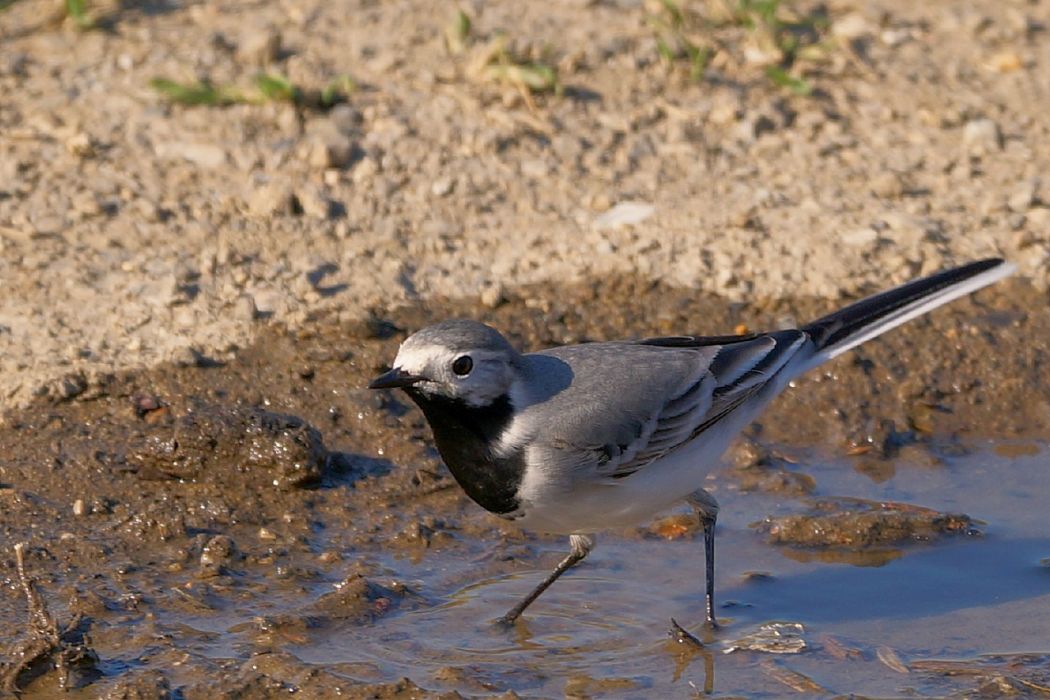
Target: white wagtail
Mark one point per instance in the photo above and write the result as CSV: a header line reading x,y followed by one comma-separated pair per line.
x,y
582,438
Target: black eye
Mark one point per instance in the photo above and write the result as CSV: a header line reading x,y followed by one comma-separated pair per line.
x,y
463,365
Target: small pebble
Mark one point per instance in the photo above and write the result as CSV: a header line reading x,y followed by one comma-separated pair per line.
x,y
259,47
1022,198
314,202
79,144
245,309
625,214
217,553
851,26
887,184
493,295
860,237
981,137
441,187
270,199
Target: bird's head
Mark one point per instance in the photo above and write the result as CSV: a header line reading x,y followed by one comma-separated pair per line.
x,y
460,360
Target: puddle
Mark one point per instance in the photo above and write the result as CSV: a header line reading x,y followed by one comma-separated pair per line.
x,y
202,564
960,598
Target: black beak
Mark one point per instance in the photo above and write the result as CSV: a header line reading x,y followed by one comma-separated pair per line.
x,y
396,378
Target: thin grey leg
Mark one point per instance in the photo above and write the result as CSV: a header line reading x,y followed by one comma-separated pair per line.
x,y
707,510
581,546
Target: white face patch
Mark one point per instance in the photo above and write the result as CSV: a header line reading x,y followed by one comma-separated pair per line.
x,y
489,377
420,360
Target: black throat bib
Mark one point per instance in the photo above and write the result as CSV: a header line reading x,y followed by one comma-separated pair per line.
x,y
465,436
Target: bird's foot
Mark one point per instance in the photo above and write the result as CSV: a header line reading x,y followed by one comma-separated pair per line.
x,y
505,621
683,636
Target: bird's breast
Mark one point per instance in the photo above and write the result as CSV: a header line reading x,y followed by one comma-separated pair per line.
x,y
466,437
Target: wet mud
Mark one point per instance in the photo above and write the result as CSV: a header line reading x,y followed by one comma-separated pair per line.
x,y
261,525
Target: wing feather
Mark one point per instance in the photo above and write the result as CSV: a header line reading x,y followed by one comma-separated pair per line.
x,y
737,373
629,404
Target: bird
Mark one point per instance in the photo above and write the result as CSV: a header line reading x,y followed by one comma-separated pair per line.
x,y
576,439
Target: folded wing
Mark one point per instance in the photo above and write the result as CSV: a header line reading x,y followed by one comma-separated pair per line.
x,y
630,404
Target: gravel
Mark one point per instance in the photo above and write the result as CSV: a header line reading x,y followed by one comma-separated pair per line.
x,y
922,146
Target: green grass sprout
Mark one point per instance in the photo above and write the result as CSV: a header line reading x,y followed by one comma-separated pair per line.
x,y
337,90
199,93
782,78
266,87
457,33
77,11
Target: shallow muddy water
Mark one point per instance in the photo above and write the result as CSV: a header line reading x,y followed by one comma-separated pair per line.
x,y
604,628
207,545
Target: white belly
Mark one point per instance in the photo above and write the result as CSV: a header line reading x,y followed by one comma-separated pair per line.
x,y
587,505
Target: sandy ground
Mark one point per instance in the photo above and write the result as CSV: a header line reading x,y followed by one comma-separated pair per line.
x,y
134,232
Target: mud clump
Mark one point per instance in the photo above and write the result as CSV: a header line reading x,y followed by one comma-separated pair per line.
x,y
859,524
141,685
232,446
757,468
358,600
280,675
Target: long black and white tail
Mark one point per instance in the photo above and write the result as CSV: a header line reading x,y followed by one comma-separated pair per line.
x,y
836,333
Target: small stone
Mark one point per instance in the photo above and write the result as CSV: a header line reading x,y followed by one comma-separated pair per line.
x,y
1005,62
1034,257
270,199
724,112
84,204
79,507
851,26
1022,198
441,187
48,226
266,535
80,145
217,553
314,202
184,357
493,295
205,155
625,214
981,137
71,386
244,308
535,168
1038,219
330,150
365,170
895,36
887,184
772,638
260,46
860,237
